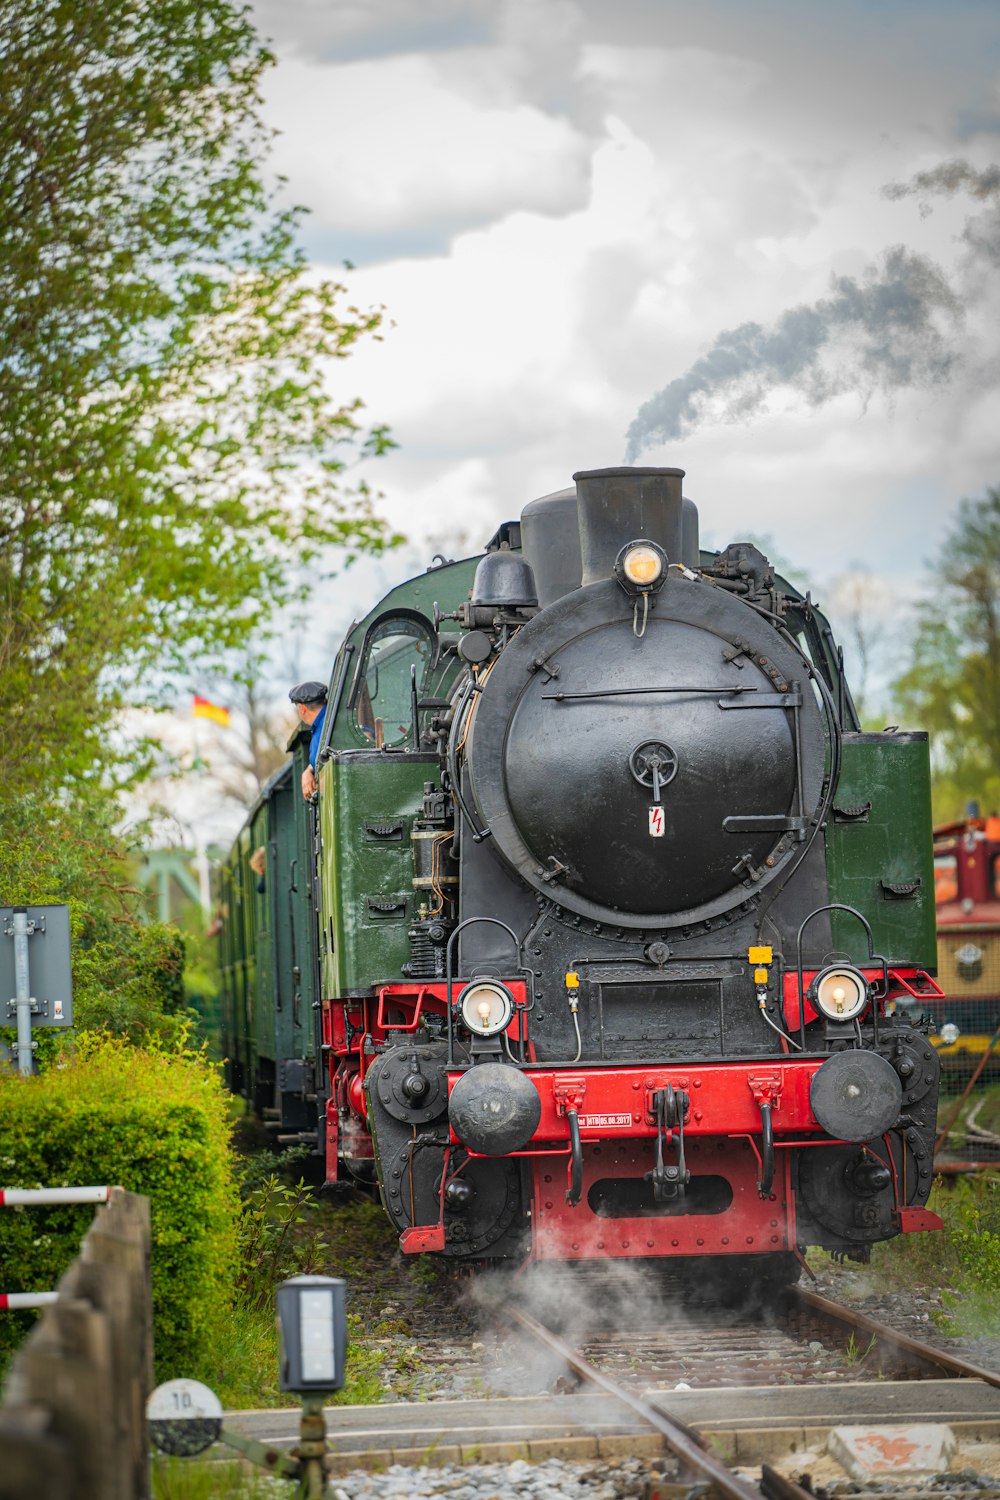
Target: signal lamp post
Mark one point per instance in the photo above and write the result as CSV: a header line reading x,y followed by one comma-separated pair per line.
x,y
313,1327
186,1417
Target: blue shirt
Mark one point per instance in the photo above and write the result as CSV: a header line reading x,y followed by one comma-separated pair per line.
x,y
314,739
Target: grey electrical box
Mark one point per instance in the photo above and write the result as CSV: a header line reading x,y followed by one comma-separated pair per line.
x,y
49,967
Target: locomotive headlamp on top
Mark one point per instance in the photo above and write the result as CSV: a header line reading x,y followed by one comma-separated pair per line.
x,y
486,1008
641,567
840,993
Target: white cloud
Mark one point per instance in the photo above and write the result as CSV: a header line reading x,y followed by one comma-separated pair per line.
x,y
386,144
605,191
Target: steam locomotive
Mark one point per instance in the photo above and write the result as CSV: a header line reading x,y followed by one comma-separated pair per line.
x,y
609,931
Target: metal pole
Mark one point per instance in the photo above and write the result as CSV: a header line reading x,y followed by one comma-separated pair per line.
x,y
312,1449
22,991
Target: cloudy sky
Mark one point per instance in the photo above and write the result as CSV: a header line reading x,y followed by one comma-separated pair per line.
x,y
757,239
692,234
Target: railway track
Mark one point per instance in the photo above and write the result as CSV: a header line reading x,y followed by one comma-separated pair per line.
x,y
729,1398
654,1332
803,1313
661,1333
604,1397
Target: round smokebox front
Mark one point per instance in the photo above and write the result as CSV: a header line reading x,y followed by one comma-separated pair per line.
x,y
637,780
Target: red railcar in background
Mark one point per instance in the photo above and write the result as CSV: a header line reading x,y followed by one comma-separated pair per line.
x,y
967,898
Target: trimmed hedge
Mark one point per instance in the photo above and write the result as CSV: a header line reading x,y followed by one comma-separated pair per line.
x,y
151,1121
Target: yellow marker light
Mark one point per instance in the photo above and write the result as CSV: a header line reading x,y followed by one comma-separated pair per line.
x,y
642,566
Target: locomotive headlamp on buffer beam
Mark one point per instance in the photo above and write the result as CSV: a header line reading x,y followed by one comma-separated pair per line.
x,y
486,1008
839,993
641,567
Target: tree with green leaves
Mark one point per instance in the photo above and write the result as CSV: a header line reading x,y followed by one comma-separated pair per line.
x,y
173,445
952,687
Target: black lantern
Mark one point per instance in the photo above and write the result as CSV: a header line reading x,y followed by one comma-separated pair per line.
x,y
313,1326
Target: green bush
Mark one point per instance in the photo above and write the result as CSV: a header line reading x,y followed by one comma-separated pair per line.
x,y
133,986
154,1122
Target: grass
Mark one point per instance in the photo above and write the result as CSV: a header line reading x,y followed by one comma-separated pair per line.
x,y
244,1372
209,1479
854,1354
289,1228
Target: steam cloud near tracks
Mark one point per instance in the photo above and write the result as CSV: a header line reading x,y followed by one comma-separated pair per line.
x,y
581,1303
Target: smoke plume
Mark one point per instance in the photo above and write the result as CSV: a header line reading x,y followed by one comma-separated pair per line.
x,y
882,332
949,177
982,232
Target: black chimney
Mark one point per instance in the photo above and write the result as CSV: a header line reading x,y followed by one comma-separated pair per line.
x,y
620,505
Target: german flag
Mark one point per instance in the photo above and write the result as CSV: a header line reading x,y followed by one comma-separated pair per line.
x,y
205,709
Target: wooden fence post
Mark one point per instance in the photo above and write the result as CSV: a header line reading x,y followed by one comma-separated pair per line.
x,y
116,1254
73,1424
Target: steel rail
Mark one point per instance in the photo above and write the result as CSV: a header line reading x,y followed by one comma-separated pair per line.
x,y
888,1338
684,1443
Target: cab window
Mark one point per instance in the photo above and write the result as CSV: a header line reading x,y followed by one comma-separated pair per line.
x,y
381,705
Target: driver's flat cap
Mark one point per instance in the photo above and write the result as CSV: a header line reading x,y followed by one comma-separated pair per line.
x,y
308,692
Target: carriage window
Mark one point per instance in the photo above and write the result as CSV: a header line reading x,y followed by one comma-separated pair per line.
x,y
382,706
946,878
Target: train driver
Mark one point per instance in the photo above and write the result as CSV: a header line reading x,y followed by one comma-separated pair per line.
x,y
310,705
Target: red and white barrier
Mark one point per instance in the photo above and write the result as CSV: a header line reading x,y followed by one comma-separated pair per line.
x,y
26,1197
22,1197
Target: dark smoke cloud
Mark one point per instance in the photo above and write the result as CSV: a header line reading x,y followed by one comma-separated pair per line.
x,y
982,233
949,177
882,332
